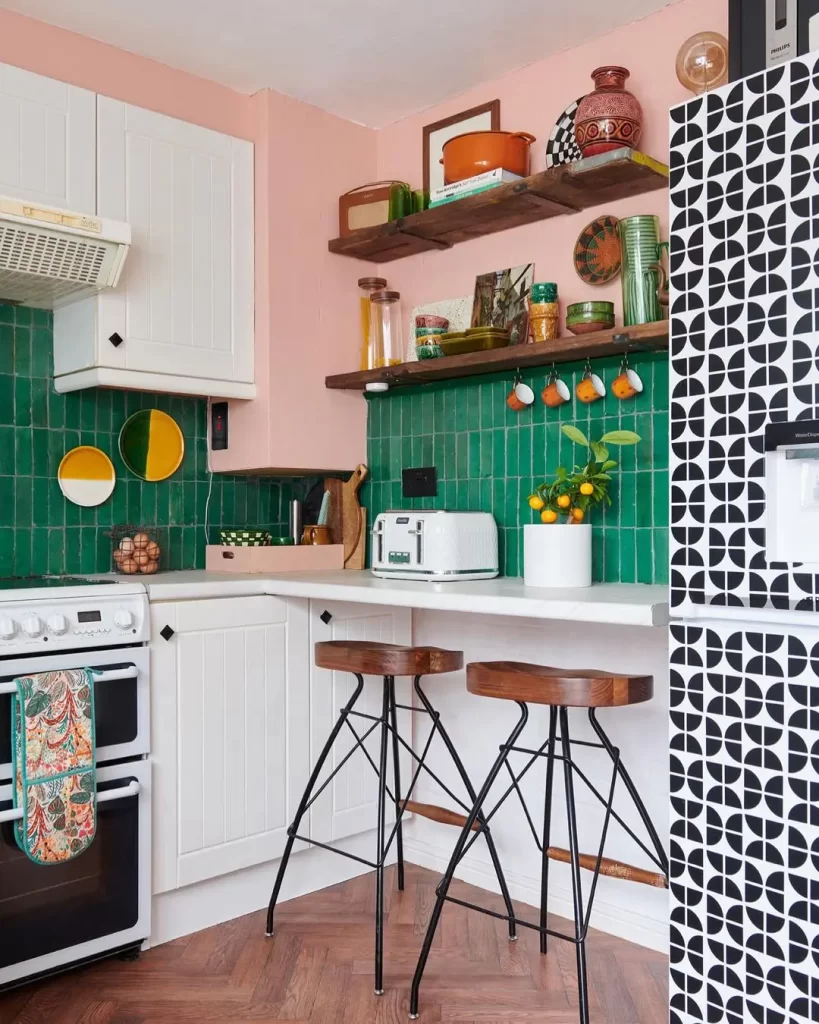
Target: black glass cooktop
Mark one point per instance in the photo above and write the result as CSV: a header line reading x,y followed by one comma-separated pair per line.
x,y
47,582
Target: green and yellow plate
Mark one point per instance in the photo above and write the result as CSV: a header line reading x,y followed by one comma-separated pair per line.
x,y
151,444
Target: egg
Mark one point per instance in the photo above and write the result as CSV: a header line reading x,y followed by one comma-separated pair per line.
x,y
141,540
141,557
129,566
118,556
126,545
153,550
151,567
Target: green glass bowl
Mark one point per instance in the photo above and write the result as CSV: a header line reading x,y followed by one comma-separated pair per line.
x,y
580,309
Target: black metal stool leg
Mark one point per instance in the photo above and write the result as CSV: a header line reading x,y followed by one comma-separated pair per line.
x,y
464,837
305,799
379,871
396,773
577,890
547,828
470,789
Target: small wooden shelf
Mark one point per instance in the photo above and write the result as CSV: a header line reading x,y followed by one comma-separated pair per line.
x,y
553,193
642,338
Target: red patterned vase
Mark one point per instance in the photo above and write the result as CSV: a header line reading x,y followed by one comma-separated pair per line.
x,y
610,117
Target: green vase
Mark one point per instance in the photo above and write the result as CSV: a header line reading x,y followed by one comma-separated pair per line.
x,y
640,250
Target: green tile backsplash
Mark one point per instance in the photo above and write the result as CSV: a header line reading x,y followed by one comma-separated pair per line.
x,y
42,532
490,458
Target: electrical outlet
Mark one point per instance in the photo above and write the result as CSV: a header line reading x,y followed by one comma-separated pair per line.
x,y
420,483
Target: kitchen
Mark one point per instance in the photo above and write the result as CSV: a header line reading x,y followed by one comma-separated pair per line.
x,y
226,377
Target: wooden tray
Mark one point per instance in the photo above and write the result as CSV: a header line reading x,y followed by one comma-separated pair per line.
x,y
297,558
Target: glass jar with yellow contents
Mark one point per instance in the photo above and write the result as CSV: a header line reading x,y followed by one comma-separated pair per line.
x,y
371,347
385,327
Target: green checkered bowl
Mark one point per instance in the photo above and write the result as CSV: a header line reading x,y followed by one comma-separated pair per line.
x,y
245,538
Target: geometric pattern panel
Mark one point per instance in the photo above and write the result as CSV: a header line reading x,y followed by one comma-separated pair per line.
x,y
744,269
744,825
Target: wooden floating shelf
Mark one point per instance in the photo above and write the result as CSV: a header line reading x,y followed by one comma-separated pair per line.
x,y
642,338
552,193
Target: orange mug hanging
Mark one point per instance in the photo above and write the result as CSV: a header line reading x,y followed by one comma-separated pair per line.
x,y
520,396
627,384
590,387
556,391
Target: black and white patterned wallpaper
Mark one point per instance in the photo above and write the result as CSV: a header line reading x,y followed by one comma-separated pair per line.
x,y
744,825
744,259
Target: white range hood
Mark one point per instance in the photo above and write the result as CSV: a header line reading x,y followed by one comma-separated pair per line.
x,y
50,258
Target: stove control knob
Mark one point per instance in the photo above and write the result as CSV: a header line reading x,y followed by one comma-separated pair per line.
x,y
8,629
57,624
123,619
32,625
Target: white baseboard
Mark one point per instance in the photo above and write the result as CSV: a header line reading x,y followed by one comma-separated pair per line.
x,y
633,925
194,907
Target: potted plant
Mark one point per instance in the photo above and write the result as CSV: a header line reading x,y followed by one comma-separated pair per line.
x,y
560,554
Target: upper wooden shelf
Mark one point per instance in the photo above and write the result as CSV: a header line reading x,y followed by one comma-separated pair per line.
x,y
553,193
642,338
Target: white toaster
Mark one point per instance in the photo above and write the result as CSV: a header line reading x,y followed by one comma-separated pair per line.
x,y
433,544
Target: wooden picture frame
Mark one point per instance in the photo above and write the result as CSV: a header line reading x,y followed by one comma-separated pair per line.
x,y
490,110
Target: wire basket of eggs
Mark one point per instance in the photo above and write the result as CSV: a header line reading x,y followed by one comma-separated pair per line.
x,y
136,549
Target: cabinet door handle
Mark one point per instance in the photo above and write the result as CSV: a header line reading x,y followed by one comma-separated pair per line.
x,y
116,339
166,633
325,617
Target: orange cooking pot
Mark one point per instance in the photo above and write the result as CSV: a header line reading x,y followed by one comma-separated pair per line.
x,y
475,152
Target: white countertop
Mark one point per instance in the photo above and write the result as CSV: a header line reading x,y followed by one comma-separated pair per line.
x,y
628,604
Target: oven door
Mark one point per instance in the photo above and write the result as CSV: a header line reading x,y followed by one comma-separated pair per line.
x,y
56,914
121,695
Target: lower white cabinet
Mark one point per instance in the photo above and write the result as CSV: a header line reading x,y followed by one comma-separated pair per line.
x,y
230,732
348,805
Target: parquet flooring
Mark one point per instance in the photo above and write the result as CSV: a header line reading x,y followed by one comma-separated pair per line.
x,y
318,969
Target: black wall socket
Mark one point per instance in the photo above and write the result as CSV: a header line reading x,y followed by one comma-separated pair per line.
x,y
420,483
218,426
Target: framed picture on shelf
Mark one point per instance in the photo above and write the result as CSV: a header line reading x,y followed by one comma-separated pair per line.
x,y
485,117
502,300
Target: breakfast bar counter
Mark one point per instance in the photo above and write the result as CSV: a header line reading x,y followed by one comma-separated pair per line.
x,y
624,604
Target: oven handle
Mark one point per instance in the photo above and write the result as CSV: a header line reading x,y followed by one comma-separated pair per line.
x,y
107,794
99,677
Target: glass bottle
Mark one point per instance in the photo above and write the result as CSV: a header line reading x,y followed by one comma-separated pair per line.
x,y
640,251
385,327
370,348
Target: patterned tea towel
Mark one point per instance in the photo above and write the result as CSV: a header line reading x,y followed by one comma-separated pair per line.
x,y
52,740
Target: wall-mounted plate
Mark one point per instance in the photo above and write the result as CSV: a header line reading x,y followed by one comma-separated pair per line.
x,y
86,476
151,444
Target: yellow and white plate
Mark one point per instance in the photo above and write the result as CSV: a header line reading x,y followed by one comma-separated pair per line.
x,y
86,476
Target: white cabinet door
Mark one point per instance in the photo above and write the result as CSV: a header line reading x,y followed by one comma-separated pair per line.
x,y
48,130
230,733
184,305
349,804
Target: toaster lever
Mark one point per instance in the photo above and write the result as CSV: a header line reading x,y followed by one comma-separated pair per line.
x,y
418,533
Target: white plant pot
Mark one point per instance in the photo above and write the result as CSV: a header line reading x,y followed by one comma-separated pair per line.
x,y
557,555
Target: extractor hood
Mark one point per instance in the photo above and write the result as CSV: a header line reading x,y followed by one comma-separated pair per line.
x,y
51,257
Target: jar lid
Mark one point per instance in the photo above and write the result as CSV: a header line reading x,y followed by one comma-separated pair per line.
x,y
372,282
384,296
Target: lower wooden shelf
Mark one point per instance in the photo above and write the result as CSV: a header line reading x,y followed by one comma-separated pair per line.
x,y
641,338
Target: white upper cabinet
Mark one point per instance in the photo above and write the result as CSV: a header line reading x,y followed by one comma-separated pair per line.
x,y
48,130
181,318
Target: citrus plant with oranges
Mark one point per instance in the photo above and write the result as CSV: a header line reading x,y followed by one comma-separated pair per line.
x,y
572,493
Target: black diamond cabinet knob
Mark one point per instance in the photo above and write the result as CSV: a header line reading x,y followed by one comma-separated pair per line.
x,y
325,617
115,339
166,632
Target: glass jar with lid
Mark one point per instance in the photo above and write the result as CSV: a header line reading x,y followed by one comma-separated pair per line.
x,y
385,327
372,348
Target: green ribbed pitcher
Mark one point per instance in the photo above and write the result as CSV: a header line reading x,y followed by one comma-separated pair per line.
x,y
640,249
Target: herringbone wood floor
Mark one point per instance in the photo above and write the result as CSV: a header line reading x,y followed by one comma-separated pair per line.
x,y
318,970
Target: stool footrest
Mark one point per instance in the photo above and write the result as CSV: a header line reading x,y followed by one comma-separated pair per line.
x,y
613,868
442,814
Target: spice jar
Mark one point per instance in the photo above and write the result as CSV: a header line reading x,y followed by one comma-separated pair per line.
x,y
371,348
385,327
544,313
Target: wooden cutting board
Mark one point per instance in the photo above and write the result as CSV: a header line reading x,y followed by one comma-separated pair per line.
x,y
348,520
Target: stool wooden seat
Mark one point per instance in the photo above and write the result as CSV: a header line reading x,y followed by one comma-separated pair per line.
x,y
558,687
368,657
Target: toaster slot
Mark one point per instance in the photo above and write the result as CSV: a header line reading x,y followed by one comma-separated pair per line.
x,y
418,532
378,536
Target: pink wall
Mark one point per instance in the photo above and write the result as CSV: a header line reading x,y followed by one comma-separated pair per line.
x,y
531,99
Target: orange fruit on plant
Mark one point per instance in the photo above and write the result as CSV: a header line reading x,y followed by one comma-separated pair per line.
x,y
587,488
548,515
536,502
564,501
578,514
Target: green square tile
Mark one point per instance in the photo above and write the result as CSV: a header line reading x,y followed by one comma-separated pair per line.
x,y
486,406
462,456
450,466
474,455
661,499
73,409
42,318
56,450
56,552
22,352
439,453
660,556
56,409
512,453
7,460
525,450
6,348
39,551
6,314
42,360
499,452
88,548
486,453
416,448
22,552
40,446
23,316
644,505
598,556
628,556
659,385
510,560
611,555
627,498
472,397
451,424
176,511
7,500
23,500
73,551
6,551
438,410
660,430
427,456
645,555
7,404
39,515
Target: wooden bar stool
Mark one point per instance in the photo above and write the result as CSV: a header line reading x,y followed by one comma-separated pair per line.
x,y
362,658
560,689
